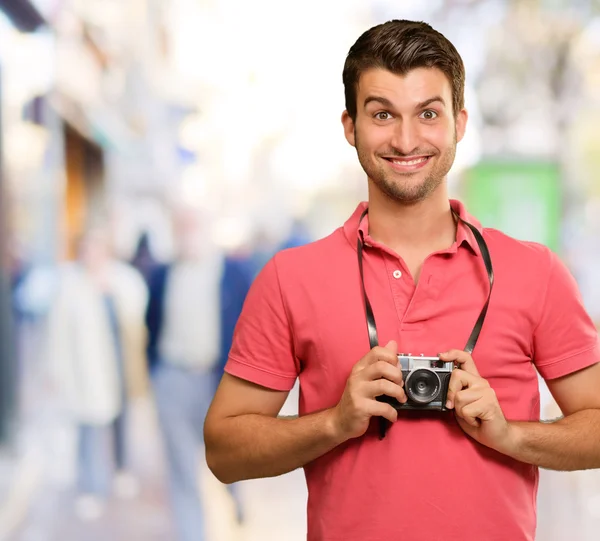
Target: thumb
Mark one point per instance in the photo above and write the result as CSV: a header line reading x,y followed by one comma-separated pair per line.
x,y
392,346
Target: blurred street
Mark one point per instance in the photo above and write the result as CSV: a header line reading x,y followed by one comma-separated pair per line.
x,y
274,508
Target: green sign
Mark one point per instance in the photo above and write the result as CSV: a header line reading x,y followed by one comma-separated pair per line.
x,y
522,199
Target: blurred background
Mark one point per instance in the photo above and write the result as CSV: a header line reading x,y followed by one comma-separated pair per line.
x,y
144,143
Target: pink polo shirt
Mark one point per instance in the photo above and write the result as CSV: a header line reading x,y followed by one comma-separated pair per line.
x,y
427,480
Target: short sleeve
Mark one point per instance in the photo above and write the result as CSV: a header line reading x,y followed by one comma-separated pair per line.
x,y
565,339
263,348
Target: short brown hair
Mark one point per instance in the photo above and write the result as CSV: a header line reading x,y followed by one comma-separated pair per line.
x,y
400,46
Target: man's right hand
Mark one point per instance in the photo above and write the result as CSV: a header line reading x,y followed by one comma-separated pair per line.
x,y
377,373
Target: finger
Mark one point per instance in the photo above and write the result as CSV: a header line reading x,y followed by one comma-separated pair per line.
x,y
458,381
462,359
379,387
467,396
464,398
381,369
378,353
381,409
486,407
474,412
393,347
373,389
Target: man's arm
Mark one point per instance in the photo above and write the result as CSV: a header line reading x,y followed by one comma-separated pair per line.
x,y
245,439
564,331
257,443
570,443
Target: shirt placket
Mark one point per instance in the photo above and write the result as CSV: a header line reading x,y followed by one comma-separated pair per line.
x,y
401,284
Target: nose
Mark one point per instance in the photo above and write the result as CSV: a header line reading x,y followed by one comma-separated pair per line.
x,y
406,137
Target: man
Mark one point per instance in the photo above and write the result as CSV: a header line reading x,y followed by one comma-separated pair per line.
x,y
470,475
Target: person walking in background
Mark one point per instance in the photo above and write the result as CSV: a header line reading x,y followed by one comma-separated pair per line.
x,y
96,341
154,272
143,258
184,350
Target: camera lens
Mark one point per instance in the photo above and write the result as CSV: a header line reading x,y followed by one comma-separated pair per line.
x,y
422,385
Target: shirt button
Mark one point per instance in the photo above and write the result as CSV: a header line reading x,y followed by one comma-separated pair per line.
x,y
397,274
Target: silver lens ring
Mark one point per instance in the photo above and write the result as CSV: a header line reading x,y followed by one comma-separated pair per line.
x,y
422,385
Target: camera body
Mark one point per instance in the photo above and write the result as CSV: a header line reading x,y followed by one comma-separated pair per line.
x,y
426,382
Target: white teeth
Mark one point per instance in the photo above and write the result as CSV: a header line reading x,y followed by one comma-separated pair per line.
x,y
411,162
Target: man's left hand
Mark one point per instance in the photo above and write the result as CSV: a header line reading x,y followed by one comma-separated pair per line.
x,y
475,404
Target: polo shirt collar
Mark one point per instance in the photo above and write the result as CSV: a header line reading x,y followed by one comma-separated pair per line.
x,y
463,234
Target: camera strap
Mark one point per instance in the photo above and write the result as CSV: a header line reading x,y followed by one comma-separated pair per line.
x,y
472,341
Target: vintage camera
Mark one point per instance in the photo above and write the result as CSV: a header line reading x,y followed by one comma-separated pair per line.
x,y
426,382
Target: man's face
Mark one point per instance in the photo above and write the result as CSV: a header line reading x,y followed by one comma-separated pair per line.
x,y
405,132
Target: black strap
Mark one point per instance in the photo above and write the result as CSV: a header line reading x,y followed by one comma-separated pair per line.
x,y
471,342
371,327
487,260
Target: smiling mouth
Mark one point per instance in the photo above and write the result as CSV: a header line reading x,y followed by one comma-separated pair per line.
x,y
408,164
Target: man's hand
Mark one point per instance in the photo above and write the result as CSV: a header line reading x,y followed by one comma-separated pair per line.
x,y
475,404
377,373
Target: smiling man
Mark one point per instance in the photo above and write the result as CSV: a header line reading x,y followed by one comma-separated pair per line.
x,y
461,465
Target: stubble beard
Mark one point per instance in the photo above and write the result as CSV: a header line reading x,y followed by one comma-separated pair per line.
x,y
403,187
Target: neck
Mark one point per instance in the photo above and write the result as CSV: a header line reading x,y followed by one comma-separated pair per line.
x,y
424,226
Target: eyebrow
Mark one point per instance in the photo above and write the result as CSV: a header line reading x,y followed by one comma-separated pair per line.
x,y
387,103
430,101
379,99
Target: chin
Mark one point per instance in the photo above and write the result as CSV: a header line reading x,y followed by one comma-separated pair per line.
x,y
405,192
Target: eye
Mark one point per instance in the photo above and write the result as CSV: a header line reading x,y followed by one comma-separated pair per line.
x,y
429,115
383,115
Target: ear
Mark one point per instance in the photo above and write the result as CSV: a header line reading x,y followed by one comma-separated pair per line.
x,y
461,124
348,124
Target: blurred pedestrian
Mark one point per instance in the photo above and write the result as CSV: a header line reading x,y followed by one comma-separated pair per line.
x,y
185,340
96,339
